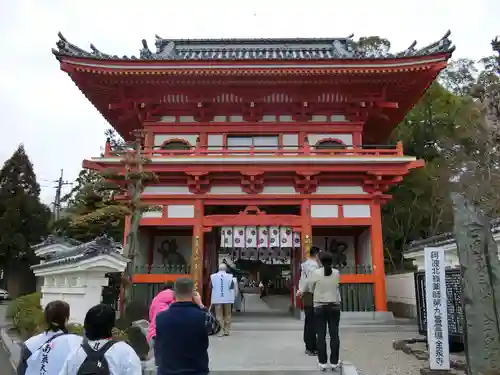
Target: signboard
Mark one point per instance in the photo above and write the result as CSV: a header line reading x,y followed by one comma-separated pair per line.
x,y
437,311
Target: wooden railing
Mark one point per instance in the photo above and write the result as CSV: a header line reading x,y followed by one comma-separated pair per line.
x,y
357,297
284,150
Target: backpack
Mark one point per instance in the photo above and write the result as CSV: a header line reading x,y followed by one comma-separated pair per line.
x,y
95,363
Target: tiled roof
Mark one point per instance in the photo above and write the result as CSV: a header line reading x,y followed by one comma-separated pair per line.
x,y
444,239
55,239
253,49
99,246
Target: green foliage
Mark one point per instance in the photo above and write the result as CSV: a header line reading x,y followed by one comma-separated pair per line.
x,y
26,315
446,128
21,303
24,220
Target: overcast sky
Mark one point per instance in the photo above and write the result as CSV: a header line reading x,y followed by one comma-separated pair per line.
x,y
42,108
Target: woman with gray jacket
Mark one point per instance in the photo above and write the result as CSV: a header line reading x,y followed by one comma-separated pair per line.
x,y
324,282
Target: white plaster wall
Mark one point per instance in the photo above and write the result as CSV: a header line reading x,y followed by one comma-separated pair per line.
x,y
324,211
81,290
153,214
315,138
215,141
278,190
319,241
356,210
184,244
401,297
339,190
180,211
159,139
290,141
159,190
365,248
223,190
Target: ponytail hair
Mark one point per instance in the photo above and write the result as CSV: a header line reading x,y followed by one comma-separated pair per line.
x,y
56,315
326,259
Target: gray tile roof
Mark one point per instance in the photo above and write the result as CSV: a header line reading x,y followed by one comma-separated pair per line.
x,y
99,246
444,239
253,49
55,239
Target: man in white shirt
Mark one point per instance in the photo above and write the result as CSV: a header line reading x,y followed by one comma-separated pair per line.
x,y
307,269
223,297
99,350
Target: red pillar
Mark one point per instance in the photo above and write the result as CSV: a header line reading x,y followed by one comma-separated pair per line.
x,y
197,248
378,257
306,239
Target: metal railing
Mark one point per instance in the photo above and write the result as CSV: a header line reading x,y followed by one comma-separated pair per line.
x,y
283,150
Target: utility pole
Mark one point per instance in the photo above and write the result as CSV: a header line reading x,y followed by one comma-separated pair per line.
x,y
57,201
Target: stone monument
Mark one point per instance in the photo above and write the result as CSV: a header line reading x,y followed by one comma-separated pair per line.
x,y
478,256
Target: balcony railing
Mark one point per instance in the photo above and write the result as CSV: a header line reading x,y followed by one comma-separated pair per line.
x,y
284,150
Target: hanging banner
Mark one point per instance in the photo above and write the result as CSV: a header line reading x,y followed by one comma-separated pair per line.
x,y
437,311
239,237
259,238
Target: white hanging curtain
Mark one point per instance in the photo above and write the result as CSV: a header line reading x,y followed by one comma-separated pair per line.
x,y
261,237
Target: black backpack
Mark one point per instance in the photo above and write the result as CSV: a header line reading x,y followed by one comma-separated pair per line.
x,y
95,363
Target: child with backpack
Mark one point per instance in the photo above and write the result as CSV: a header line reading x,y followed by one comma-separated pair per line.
x,y
99,354
46,352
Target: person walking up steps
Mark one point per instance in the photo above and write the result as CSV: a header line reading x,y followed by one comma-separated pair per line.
x,y
307,268
324,282
223,286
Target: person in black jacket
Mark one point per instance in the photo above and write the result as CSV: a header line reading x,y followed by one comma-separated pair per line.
x,y
181,343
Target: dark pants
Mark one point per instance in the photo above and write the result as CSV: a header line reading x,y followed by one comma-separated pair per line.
x,y
309,328
328,315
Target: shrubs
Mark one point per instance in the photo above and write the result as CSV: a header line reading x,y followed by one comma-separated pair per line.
x,y
27,317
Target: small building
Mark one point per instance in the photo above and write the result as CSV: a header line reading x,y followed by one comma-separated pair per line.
x,y
77,274
401,286
262,148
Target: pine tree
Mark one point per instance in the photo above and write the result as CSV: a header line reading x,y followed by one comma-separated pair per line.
x,y
24,221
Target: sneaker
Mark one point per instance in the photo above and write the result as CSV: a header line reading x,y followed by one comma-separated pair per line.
x,y
311,352
323,366
226,333
336,366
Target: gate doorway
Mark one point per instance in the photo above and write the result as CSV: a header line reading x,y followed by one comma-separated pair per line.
x,y
266,272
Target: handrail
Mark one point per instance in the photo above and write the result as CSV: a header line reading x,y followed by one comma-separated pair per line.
x,y
283,150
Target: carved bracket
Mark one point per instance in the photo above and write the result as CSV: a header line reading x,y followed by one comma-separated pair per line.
x,y
380,184
252,184
198,183
306,183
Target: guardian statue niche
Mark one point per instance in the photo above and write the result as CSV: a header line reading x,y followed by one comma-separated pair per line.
x,y
170,255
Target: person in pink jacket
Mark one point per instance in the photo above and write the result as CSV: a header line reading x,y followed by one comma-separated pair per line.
x,y
160,303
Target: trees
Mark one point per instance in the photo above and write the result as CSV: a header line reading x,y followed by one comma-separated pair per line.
x,y
91,206
453,130
24,220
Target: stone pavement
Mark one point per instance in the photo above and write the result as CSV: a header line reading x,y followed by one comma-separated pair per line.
x,y
277,346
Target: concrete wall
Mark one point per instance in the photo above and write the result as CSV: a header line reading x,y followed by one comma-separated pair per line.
x,y
401,298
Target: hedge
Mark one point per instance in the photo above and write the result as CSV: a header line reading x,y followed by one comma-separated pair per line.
x,y
27,317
